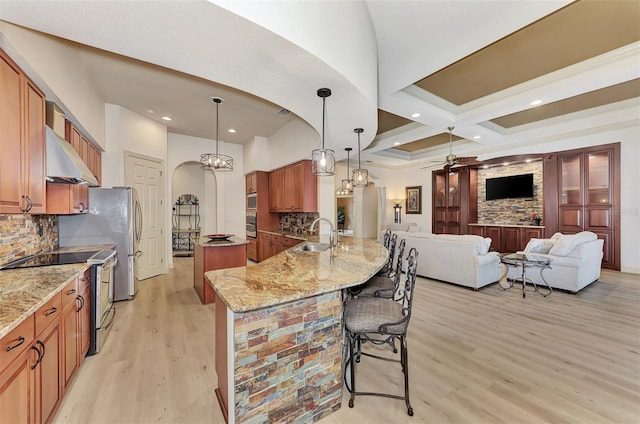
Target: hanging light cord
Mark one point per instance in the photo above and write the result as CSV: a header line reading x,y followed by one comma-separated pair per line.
x,y
217,126
324,101
359,166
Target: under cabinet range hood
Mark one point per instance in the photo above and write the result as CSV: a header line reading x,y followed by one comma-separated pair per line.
x,y
64,165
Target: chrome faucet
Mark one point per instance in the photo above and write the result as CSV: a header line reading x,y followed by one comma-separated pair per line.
x,y
331,233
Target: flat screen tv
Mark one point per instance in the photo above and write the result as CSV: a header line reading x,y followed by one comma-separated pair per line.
x,y
510,187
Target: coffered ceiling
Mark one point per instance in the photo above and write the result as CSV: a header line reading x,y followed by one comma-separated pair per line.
x,y
476,66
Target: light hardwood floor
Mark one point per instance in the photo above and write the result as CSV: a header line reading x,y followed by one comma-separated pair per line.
x,y
474,357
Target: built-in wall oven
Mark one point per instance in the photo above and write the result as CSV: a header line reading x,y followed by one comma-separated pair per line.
x,y
252,201
102,310
252,225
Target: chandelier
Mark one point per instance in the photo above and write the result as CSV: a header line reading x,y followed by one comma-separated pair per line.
x,y
360,176
346,188
216,162
323,161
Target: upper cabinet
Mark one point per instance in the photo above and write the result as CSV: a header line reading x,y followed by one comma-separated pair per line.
x,y
90,155
455,200
22,142
293,188
252,182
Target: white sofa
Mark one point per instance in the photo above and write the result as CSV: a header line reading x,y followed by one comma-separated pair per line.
x,y
463,260
575,260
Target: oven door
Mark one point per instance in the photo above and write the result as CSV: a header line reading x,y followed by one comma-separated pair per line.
x,y
251,231
104,312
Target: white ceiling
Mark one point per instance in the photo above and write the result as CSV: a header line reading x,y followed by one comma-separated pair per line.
x,y
167,55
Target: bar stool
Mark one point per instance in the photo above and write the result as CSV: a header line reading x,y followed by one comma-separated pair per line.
x,y
382,285
390,245
382,322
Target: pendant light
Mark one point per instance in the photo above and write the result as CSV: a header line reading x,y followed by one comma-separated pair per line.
x,y
323,161
216,162
360,176
346,188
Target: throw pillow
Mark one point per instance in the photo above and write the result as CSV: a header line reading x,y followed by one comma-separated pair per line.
x,y
414,229
567,243
539,246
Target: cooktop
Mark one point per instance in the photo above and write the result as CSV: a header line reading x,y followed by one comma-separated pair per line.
x,y
46,259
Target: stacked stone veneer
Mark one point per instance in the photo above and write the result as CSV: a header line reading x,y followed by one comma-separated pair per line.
x,y
510,211
297,223
288,365
20,235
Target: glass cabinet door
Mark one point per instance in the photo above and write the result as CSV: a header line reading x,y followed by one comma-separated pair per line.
x,y
598,176
453,190
440,198
570,168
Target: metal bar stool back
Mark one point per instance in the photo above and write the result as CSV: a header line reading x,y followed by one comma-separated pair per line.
x,y
381,322
382,285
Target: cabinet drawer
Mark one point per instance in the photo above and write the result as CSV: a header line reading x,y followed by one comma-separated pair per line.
x,y
14,343
69,293
48,313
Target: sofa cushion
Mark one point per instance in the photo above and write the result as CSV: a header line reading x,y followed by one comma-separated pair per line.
x,y
565,244
539,246
414,229
480,244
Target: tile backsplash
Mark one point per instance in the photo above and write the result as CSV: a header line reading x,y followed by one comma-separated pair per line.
x,y
297,223
25,235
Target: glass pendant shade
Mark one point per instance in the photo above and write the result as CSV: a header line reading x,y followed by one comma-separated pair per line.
x,y
216,162
346,188
323,161
360,176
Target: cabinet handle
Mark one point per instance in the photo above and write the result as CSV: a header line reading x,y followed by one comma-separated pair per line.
x,y
81,300
39,357
82,207
29,203
70,292
43,349
20,341
51,311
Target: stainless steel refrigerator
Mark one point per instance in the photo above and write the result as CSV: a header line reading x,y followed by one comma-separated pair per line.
x,y
114,217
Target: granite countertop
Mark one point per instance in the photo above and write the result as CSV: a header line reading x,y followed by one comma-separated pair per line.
x,y
294,274
232,241
88,248
24,290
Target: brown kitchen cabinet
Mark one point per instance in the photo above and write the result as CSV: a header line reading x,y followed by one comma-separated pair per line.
x,y
66,199
22,142
213,257
293,188
252,249
455,200
90,154
75,325
270,244
252,182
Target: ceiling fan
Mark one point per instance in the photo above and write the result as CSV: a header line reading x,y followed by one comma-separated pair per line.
x,y
452,160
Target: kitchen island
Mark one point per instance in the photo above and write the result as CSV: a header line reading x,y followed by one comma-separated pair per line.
x,y
279,331
209,255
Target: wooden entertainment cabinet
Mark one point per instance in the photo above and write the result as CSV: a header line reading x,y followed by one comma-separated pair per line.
x,y
581,192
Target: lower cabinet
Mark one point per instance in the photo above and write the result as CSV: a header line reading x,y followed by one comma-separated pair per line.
x,y
270,244
507,239
38,358
252,249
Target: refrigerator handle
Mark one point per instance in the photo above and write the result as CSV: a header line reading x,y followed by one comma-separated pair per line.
x,y
138,221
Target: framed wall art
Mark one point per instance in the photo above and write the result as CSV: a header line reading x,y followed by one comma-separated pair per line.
x,y
414,199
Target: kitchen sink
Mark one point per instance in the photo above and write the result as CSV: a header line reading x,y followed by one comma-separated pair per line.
x,y
314,247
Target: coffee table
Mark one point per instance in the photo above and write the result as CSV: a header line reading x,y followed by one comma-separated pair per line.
x,y
524,261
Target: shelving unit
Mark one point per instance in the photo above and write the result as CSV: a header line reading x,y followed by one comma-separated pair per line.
x,y
186,225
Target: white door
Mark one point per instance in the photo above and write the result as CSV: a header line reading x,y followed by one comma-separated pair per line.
x,y
146,175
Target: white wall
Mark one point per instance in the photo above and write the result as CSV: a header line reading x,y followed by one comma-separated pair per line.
x,y
292,143
57,69
256,155
222,207
188,178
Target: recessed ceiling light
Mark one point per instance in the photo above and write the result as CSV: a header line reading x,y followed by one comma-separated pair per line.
x,y
397,143
415,115
476,137
536,103
231,130
528,160
151,111
166,118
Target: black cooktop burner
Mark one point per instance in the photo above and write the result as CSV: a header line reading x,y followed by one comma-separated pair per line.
x,y
46,259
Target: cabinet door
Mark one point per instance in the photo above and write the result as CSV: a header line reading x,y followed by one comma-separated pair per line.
x,y
85,315
290,189
70,340
49,379
34,149
529,233
252,182
511,242
276,190
495,234
17,390
10,134
476,230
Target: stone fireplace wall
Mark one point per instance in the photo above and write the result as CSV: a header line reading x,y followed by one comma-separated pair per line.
x,y
510,211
